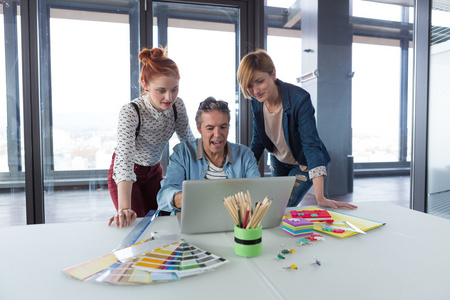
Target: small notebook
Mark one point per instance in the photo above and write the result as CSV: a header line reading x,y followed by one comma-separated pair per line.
x,y
203,210
340,217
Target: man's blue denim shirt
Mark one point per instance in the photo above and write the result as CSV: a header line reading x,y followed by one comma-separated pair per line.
x,y
188,162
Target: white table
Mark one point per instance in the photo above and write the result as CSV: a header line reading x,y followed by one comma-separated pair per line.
x,y
408,258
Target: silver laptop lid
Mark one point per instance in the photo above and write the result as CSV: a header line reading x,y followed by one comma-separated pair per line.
x,y
203,210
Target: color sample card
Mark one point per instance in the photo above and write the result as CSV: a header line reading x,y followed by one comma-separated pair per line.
x,y
179,258
145,246
87,269
126,274
120,274
169,262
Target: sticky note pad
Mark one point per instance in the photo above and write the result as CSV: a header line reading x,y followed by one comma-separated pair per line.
x,y
313,215
298,226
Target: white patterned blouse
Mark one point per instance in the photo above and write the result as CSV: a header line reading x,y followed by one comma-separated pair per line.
x,y
155,131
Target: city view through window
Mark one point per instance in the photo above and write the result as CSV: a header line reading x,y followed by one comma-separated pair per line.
x,y
90,82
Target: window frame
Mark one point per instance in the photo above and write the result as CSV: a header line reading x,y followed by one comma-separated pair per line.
x,y
36,87
401,32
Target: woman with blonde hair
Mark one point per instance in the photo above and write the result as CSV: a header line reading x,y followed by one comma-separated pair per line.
x,y
145,126
284,124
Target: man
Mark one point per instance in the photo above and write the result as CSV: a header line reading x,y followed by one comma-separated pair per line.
x,y
210,157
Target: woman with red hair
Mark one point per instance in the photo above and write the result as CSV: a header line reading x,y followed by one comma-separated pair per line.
x,y
145,126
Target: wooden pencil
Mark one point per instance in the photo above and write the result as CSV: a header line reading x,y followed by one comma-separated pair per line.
x,y
250,223
240,208
231,211
261,215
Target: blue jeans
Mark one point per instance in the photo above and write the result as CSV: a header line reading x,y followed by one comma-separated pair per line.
x,y
302,182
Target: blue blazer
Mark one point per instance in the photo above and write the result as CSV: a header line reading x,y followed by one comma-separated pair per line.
x,y
299,127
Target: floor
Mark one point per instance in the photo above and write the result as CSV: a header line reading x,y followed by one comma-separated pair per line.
x,y
95,205
395,190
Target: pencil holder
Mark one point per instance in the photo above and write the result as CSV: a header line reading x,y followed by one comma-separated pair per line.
x,y
248,242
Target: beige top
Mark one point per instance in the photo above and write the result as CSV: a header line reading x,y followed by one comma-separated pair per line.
x,y
274,130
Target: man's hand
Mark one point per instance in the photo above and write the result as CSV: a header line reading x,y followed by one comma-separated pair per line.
x,y
177,200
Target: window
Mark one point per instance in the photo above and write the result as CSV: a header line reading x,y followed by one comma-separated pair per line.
x,y
382,91
197,86
203,43
438,143
12,153
375,102
90,74
380,118
285,48
376,10
88,70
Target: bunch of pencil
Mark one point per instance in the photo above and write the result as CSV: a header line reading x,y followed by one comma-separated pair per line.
x,y
241,209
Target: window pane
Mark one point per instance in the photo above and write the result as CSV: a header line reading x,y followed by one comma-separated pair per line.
x,y
438,143
410,93
90,82
375,103
286,53
192,44
3,111
191,89
440,18
12,183
375,10
280,3
88,71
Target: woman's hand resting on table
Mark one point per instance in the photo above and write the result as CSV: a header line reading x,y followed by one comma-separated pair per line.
x,y
123,217
324,202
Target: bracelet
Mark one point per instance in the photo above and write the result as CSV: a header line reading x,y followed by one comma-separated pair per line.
x,y
122,209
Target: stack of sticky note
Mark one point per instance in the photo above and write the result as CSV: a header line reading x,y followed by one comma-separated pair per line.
x,y
297,226
318,215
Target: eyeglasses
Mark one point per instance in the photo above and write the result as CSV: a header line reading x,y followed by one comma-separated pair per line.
x,y
212,103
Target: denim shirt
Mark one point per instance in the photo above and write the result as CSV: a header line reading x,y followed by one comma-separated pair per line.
x,y
188,162
299,127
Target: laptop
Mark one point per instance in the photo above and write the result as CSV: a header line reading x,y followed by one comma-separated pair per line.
x,y
203,211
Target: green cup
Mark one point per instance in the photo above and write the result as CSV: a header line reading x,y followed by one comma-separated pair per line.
x,y
248,242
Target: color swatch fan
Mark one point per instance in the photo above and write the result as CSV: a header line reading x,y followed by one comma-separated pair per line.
x,y
160,262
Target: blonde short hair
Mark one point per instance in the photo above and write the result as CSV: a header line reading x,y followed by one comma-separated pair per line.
x,y
258,60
